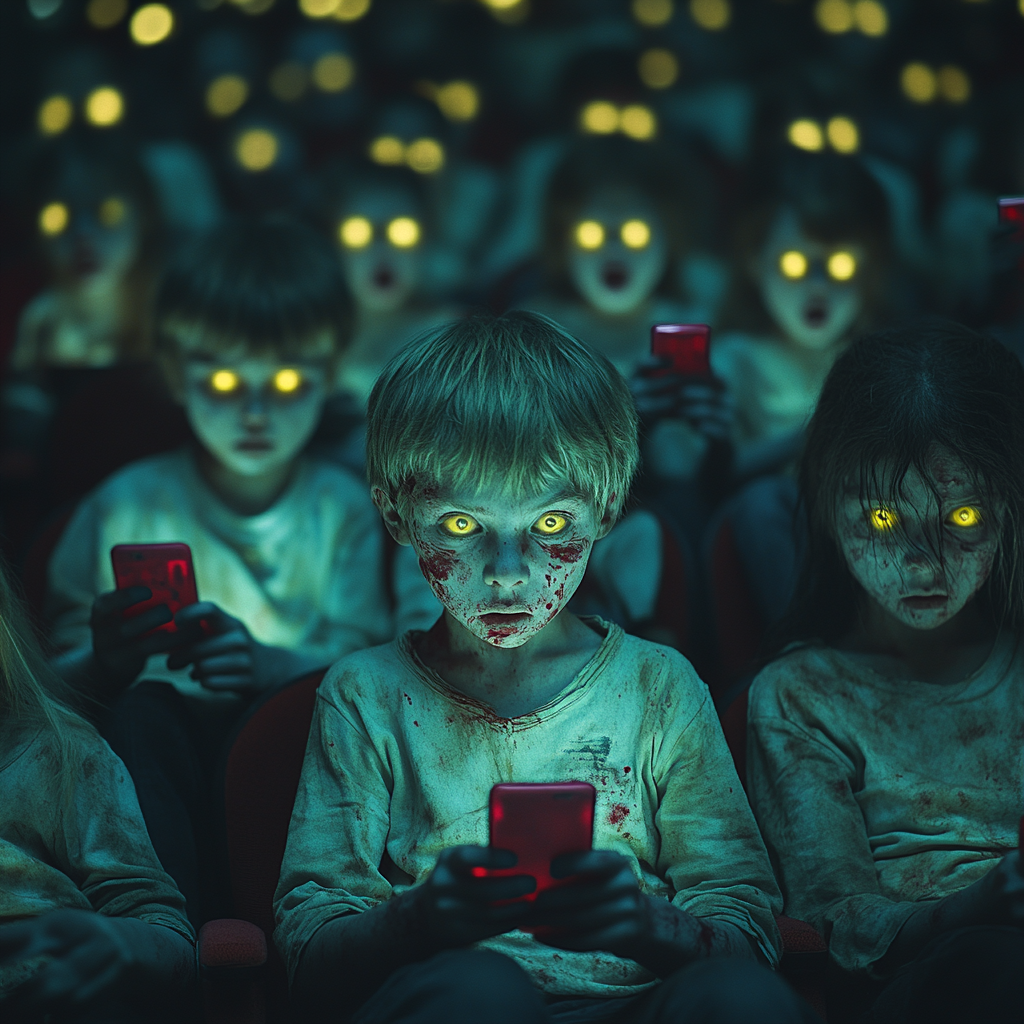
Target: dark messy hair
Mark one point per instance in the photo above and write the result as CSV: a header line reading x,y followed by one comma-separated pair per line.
x,y
889,400
267,284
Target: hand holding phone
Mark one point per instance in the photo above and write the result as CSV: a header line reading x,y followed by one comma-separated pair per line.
x,y
164,569
686,346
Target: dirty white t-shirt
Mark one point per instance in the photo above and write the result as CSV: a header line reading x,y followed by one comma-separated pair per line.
x,y
91,853
400,763
874,794
307,574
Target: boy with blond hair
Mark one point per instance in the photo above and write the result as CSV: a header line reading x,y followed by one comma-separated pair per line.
x,y
500,449
287,548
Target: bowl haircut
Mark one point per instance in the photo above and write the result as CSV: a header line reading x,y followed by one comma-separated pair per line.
x,y
266,286
892,398
511,401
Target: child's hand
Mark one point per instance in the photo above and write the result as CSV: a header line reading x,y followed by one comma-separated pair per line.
x,y
120,650
454,907
704,402
220,649
85,957
602,908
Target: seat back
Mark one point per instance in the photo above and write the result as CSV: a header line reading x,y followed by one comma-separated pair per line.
x,y
36,562
672,606
261,779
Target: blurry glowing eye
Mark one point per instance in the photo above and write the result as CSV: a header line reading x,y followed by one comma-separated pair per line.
x,y
356,232
551,523
638,122
806,134
53,218
425,156
287,381
589,234
460,526
636,234
387,150
224,381
841,266
111,212
599,118
883,519
793,264
404,232
965,516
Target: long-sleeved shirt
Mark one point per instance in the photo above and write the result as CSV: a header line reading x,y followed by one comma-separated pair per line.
x,y
306,575
91,852
400,763
875,793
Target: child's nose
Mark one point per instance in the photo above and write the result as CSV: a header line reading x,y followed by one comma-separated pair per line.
x,y
254,407
506,566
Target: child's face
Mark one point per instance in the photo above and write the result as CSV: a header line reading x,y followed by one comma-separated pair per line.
x,y
888,551
253,414
811,289
617,251
502,568
90,228
380,232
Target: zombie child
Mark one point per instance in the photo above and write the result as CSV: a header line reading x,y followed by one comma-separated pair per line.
x,y
288,549
885,738
91,927
500,448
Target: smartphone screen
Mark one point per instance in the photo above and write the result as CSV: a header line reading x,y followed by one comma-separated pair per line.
x,y
687,345
538,821
165,568
1011,211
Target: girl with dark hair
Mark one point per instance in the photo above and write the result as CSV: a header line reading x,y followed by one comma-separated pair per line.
x,y
885,738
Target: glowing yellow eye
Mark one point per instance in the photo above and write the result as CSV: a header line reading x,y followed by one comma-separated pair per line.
x,y
460,526
883,519
551,523
589,234
287,381
53,218
224,381
112,212
635,233
841,266
404,232
355,232
965,516
793,264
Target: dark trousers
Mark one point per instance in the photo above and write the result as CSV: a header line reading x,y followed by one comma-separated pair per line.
x,y
174,750
469,986
967,975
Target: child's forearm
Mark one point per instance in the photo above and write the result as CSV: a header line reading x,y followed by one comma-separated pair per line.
x,y
677,938
350,957
164,978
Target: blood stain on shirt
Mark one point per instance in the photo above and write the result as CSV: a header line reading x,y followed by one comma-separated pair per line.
x,y
618,814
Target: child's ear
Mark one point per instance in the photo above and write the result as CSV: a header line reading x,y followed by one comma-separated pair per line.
x,y
608,518
392,519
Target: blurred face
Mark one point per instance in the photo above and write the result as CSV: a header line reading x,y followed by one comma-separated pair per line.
x,y
617,251
811,289
502,568
890,548
253,415
90,228
381,234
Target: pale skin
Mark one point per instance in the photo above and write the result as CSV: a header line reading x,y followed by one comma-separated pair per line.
x,y
480,552
919,620
253,415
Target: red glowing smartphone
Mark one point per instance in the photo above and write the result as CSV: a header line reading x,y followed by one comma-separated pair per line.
x,y
538,821
1011,211
165,568
687,345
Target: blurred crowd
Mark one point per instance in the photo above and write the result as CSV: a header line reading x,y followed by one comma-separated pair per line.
x,y
791,172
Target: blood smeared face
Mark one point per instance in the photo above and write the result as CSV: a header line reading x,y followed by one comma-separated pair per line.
x,y
503,568
891,547
812,289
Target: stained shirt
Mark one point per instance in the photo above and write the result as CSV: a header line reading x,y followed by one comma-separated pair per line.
x,y
92,853
306,575
874,794
400,763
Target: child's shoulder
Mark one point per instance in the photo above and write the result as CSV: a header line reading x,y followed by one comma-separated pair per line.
x,y
149,476
357,677
803,675
328,479
654,667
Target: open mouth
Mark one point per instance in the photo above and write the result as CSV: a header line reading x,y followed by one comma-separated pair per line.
x,y
925,603
504,618
254,444
384,277
614,276
815,313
